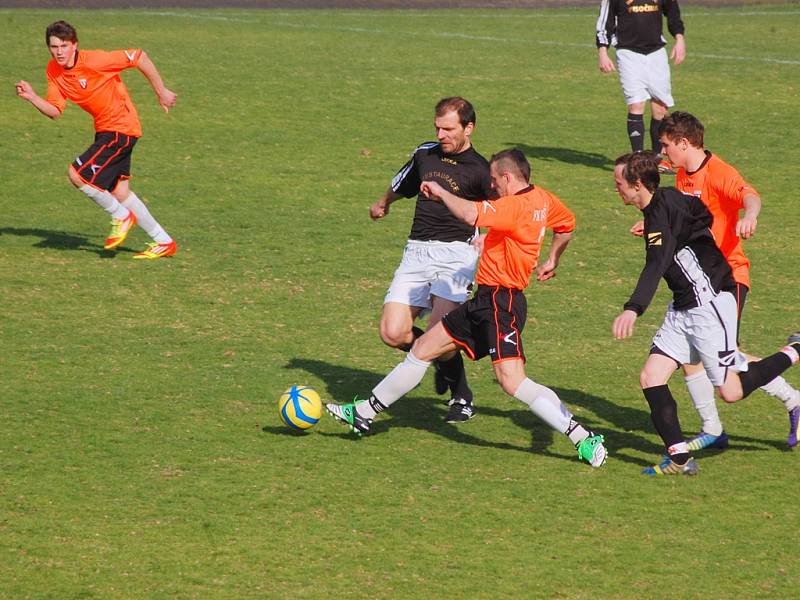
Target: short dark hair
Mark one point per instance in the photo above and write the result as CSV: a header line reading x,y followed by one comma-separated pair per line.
x,y
513,160
640,166
465,110
62,30
682,125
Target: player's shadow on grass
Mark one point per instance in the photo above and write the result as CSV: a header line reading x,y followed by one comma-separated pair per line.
x,y
627,420
61,240
565,155
428,414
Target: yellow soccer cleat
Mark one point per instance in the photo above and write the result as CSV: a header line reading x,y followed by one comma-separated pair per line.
x,y
120,228
156,250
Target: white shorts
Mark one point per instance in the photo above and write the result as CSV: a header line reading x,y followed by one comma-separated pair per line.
x,y
444,269
645,76
706,333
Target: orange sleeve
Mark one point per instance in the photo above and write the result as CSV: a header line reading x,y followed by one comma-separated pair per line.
x,y
732,187
113,61
54,95
500,214
559,218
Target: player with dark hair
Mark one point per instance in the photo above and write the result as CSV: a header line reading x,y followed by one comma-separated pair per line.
x,y
491,323
635,28
90,79
439,260
726,194
701,320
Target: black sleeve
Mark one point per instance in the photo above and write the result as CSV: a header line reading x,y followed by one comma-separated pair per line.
x,y
486,187
660,241
406,182
672,11
606,24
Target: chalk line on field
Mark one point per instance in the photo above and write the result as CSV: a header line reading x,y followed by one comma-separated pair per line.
x,y
445,34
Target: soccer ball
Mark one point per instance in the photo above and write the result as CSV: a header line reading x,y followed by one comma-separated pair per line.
x,y
300,407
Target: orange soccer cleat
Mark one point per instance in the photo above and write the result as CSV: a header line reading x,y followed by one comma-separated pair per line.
x,y
156,250
120,228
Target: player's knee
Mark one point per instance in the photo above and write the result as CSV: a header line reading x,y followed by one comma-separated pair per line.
x,y
648,379
395,336
73,177
730,396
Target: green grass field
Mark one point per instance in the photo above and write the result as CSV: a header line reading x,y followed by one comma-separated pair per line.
x,y
141,454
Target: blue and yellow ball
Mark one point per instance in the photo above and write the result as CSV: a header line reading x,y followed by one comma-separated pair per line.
x,y
300,407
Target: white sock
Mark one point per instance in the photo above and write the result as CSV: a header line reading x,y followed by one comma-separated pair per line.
x,y
403,378
701,391
106,201
780,389
545,404
145,220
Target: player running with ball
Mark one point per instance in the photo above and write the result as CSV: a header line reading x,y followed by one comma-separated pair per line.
x,y
491,323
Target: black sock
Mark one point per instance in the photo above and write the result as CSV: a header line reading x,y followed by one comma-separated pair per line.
x,y
763,371
654,136
456,377
416,332
636,132
664,413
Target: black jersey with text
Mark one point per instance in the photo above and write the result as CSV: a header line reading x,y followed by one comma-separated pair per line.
x,y
681,249
465,174
637,24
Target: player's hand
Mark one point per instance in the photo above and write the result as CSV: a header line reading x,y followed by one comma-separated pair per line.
x,y
623,325
678,51
638,229
378,210
477,243
167,99
546,270
746,227
604,62
431,190
24,90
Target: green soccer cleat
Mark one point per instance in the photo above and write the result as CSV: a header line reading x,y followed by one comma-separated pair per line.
x,y
591,450
348,414
667,467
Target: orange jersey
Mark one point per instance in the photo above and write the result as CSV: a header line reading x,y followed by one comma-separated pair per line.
x,y
94,84
517,225
722,189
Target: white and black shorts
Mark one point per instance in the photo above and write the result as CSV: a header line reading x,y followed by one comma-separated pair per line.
x,y
444,269
645,76
706,333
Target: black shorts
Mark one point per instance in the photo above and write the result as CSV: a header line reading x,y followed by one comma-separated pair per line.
x,y
107,160
489,324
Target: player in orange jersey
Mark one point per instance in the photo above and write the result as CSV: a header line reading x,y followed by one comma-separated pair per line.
x,y
491,323
735,206
90,79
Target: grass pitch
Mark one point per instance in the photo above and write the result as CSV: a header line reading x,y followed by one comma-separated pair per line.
x,y
141,454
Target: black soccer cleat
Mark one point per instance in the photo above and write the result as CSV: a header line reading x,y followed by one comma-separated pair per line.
x,y
460,410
